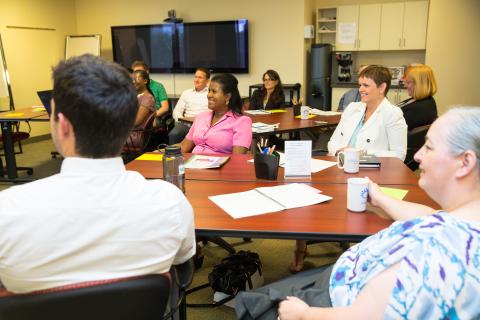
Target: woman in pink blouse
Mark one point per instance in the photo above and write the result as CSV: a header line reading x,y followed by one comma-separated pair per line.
x,y
223,129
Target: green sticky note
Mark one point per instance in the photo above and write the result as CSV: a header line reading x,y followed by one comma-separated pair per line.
x,y
394,193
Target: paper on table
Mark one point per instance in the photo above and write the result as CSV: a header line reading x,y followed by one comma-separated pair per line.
x,y
14,114
309,116
151,157
256,112
319,165
394,193
268,199
297,158
324,113
205,162
277,110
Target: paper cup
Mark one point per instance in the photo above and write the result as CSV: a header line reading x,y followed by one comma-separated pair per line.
x,y
357,194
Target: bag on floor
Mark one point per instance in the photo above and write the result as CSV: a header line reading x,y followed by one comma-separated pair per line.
x,y
235,273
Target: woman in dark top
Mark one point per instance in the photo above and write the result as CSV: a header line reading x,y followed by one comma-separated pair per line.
x,y
420,109
271,95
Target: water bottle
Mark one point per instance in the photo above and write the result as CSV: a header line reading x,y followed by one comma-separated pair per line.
x,y
173,168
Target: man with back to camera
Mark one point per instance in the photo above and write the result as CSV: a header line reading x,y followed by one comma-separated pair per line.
x,y
192,102
94,220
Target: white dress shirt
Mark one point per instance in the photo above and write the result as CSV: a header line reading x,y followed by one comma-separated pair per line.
x,y
92,221
191,103
384,134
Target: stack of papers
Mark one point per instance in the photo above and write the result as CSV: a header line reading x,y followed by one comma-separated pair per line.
x,y
323,113
205,162
257,112
268,199
258,127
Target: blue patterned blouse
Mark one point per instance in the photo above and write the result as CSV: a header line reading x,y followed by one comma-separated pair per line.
x,y
439,268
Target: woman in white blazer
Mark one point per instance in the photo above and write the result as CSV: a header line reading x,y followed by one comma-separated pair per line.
x,y
373,125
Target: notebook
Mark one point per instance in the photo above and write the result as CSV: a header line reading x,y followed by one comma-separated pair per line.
x,y
46,96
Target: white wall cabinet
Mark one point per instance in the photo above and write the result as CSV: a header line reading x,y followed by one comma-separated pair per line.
x,y
326,25
364,23
404,25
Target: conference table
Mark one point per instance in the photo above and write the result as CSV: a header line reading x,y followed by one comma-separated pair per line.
x,y
7,120
239,168
328,221
287,123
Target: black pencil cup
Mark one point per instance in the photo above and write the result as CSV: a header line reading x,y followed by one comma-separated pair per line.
x,y
266,166
296,110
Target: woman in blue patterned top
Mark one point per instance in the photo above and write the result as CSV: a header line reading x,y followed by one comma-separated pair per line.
x,y
426,265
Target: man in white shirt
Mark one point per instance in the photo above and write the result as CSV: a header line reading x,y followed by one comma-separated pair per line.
x,y
94,220
192,102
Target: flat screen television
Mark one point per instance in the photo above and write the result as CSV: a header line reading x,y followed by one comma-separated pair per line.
x,y
221,46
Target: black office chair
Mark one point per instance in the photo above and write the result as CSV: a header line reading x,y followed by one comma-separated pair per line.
x,y
144,297
415,140
139,298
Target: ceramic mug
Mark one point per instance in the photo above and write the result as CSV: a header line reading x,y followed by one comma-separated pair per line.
x,y
349,160
357,194
304,112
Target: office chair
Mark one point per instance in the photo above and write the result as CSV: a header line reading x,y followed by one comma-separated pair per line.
x,y
131,150
143,297
415,140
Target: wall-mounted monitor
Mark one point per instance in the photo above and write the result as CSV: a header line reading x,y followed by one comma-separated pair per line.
x,y
221,46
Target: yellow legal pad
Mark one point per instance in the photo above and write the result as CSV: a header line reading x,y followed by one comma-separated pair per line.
x,y
277,110
394,193
151,157
14,114
309,116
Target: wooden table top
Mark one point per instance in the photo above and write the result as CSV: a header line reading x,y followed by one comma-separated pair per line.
x,y
328,221
287,123
31,114
392,171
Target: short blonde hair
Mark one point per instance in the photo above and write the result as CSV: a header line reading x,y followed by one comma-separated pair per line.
x,y
422,76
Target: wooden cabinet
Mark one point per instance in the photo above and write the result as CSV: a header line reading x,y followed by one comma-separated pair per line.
x,y
395,96
326,25
363,21
404,25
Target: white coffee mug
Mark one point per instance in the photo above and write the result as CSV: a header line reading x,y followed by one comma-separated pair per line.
x,y
304,112
357,194
349,160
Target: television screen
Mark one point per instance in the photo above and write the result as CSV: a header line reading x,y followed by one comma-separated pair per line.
x,y
182,47
221,46
150,43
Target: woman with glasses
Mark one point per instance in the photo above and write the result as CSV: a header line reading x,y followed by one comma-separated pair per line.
x,y
271,95
420,109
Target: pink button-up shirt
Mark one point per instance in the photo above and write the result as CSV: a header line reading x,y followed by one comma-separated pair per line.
x,y
231,130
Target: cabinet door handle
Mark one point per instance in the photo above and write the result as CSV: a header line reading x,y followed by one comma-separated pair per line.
x,y
399,42
358,43
355,43
404,41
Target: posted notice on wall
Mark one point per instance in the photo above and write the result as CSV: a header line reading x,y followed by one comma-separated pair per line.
x,y
297,159
346,32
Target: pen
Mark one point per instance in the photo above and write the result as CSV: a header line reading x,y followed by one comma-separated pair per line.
x,y
259,148
265,150
272,149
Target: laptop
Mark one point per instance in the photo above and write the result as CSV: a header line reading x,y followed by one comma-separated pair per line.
x,y
46,96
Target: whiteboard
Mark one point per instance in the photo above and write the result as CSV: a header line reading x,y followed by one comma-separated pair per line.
x,y
4,82
78,45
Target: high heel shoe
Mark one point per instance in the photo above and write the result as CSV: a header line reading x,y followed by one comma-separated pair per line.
x,y
298,262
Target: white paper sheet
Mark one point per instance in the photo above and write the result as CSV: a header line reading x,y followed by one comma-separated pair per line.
x,y
316,165
297,158
268,199
347,32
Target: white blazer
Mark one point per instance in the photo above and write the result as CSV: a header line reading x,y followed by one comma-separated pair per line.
x,y
384,134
